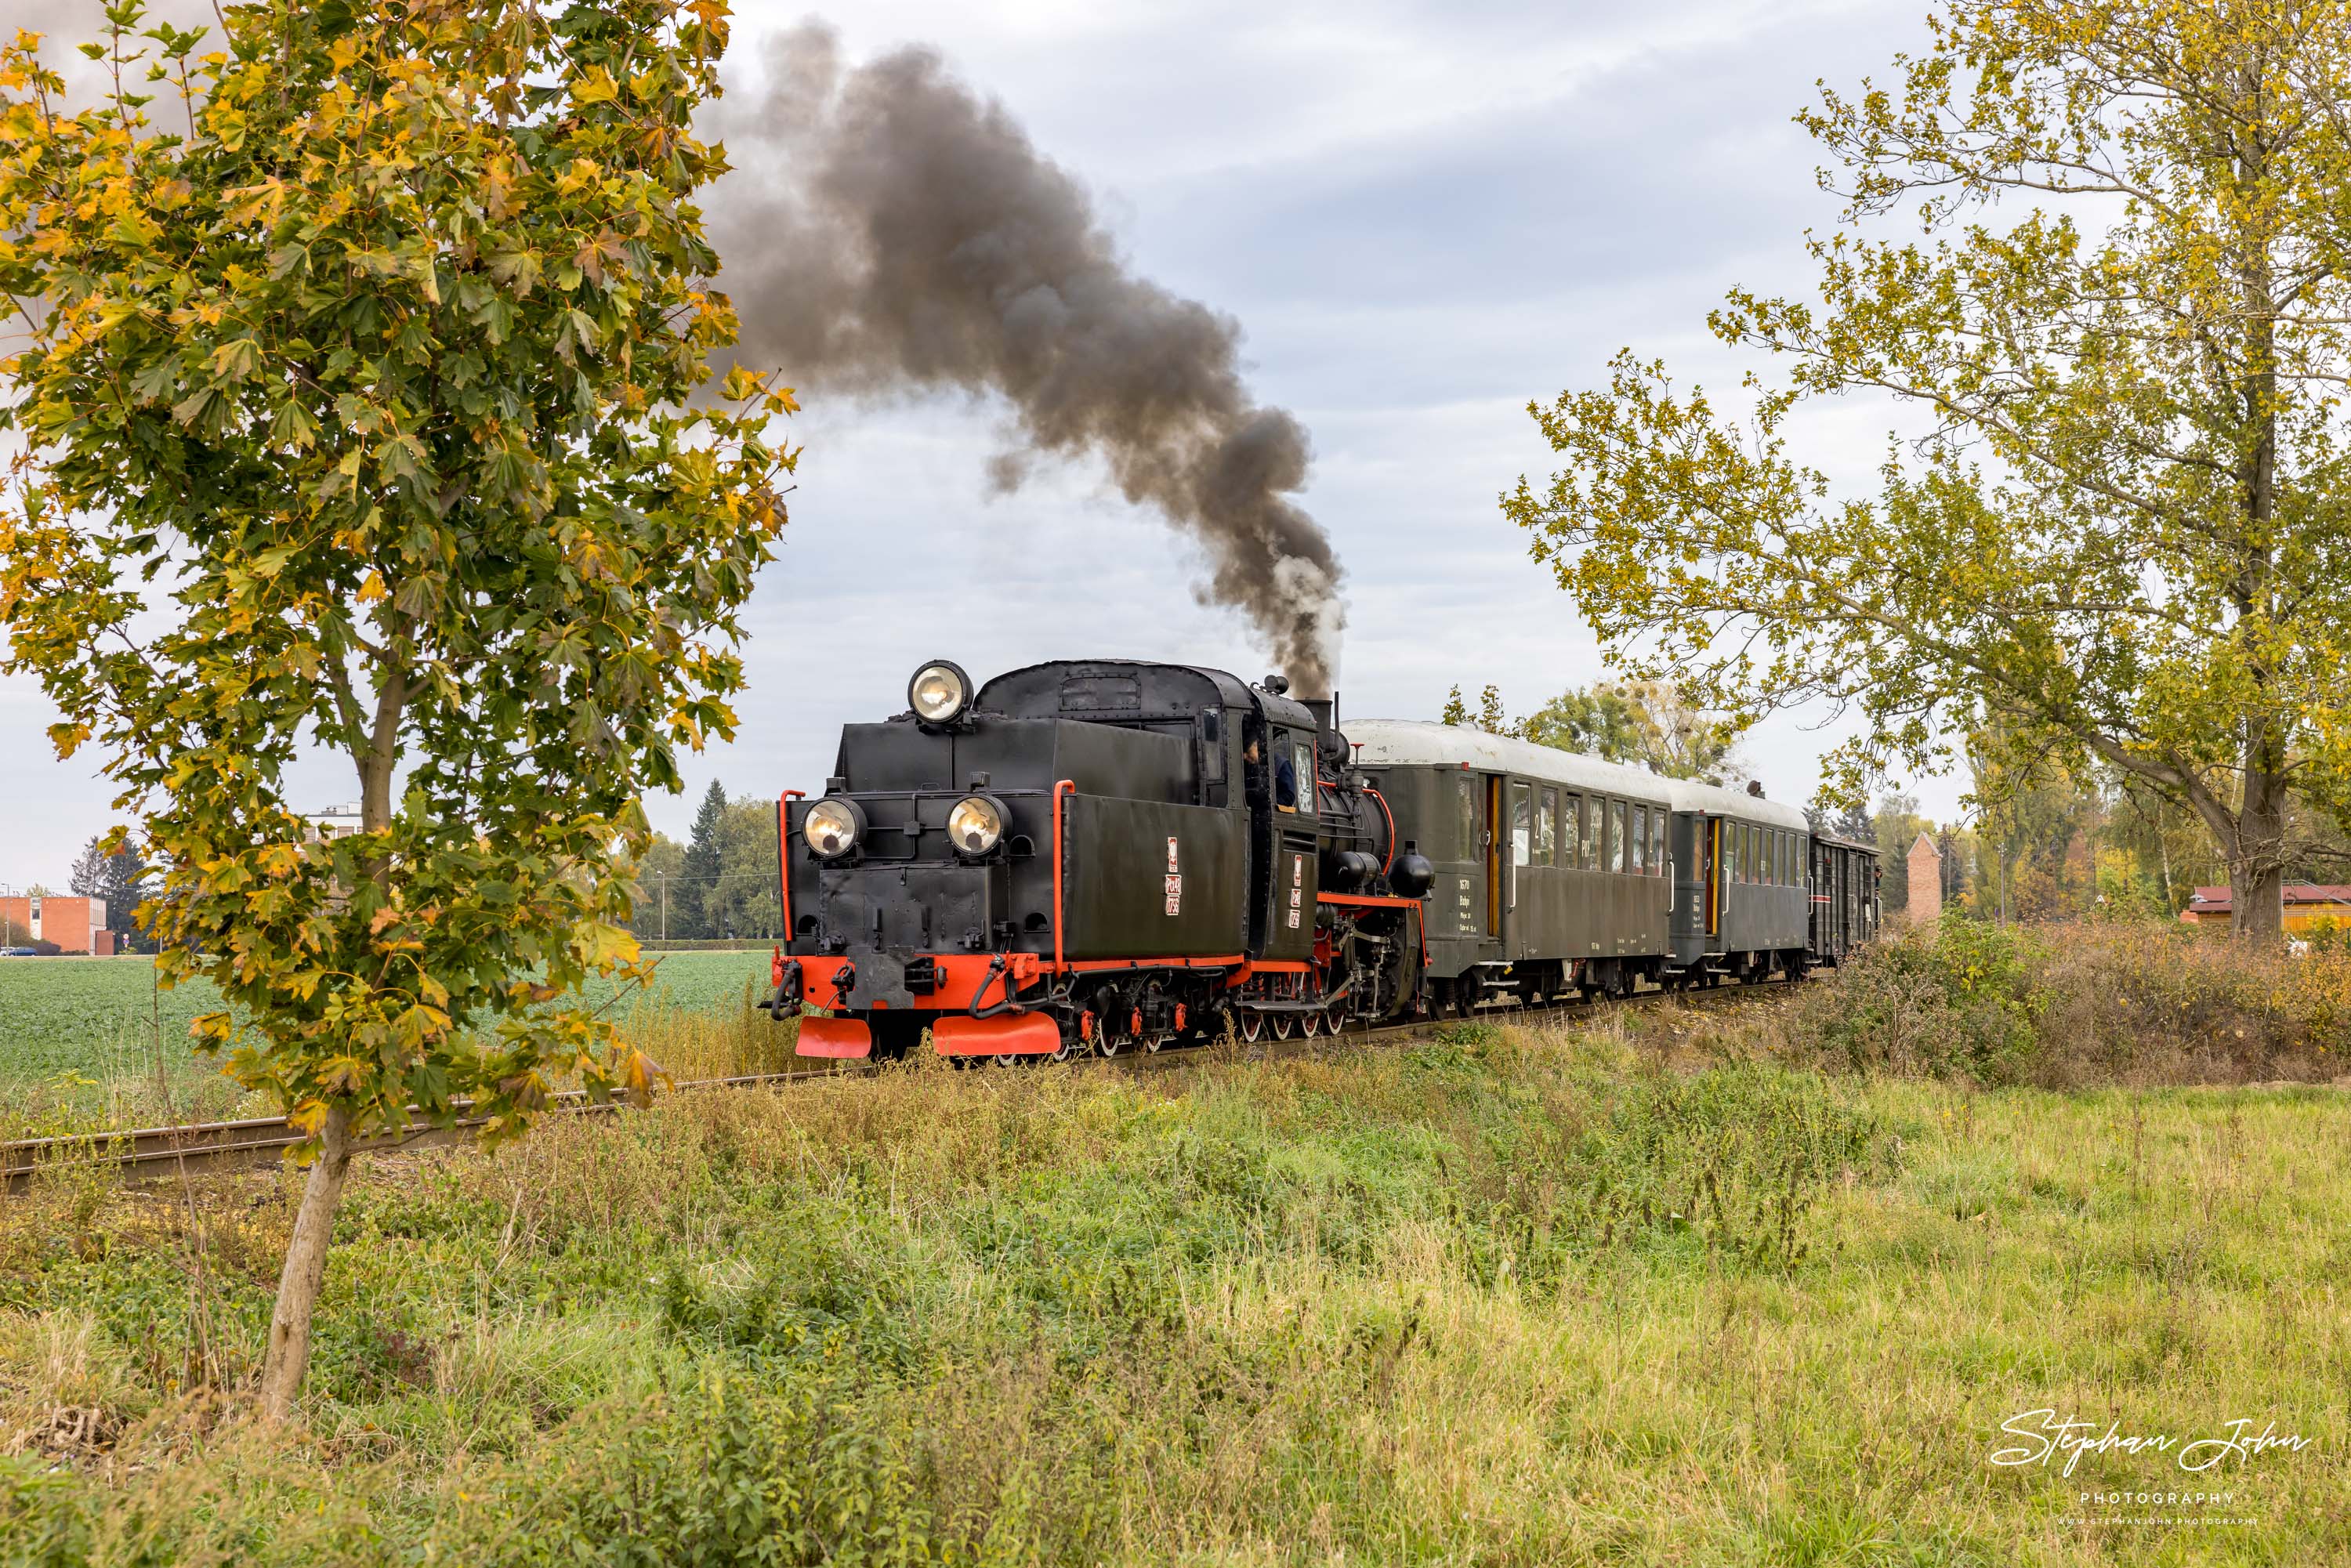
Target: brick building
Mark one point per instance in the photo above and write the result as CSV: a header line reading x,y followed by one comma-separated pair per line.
x,y
74,925
1926,863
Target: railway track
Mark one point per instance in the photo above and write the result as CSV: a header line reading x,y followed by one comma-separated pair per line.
x,y
154,1153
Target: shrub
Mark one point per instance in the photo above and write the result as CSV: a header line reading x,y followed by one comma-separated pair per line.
x,y
1957,999
2090,1002
2161,1002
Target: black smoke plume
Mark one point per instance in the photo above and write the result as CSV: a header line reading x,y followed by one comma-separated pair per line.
x,y
889,232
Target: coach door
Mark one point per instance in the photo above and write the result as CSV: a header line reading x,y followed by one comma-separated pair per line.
x,y
1711,836
1493,845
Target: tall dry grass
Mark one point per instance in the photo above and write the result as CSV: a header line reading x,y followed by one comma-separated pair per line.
x,y
2079,1005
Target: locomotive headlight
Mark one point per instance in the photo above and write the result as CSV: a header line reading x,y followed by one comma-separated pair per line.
x,y
940,692
833,827
975,825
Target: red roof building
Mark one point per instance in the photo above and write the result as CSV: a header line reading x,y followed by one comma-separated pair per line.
x,y
2307,904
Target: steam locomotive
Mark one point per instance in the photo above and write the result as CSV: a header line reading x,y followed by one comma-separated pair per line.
x,y
1099,856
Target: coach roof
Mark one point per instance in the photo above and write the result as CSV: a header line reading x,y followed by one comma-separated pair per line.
x,y
1403,742
1689,795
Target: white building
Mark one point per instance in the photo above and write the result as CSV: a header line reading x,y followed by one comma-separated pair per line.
x,y
334,822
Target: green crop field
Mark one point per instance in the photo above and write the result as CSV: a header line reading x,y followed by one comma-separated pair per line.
x,y
102,1018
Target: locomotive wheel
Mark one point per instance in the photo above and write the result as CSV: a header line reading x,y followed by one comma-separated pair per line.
x,y
1066,1049
1285,1025
1310,1024
1155,1043
1251,1025
1108,1044
1007,1059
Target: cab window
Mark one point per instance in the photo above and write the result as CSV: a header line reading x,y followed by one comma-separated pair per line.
x,y
1286,782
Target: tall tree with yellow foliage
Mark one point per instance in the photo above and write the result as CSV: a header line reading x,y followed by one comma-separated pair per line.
x,y
2126,533
356,393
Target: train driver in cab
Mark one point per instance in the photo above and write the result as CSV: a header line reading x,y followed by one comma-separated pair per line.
x,y
1285,777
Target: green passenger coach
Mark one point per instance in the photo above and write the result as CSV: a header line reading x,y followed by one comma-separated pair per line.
x,y
1556,869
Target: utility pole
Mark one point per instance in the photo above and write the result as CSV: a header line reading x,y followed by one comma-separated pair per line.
x,y
662,877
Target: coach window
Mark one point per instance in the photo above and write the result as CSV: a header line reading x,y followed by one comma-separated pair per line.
x,y
1616,846
1657,842
1547,828
1587,828
1467,825
1638,860
1523,824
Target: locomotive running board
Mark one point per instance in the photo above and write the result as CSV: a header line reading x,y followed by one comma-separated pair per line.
x,y
846,1038
1007,1034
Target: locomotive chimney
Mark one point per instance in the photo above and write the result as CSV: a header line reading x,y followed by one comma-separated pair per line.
x,y
1321,708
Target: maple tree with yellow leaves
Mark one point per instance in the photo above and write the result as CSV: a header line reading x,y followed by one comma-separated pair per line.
x,y
356,382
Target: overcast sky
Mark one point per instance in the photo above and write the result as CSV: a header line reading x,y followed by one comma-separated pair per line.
x,y
1423,214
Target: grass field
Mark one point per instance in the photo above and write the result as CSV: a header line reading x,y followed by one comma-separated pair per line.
x,y
101,1018
1625,1297
1773,1285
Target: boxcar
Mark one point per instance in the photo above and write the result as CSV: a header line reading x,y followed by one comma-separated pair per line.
x,y
1844,896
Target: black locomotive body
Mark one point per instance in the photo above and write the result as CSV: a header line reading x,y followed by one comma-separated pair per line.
x,y
1091,855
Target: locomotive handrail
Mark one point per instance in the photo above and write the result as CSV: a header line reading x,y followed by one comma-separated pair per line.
x,y
1382,799
1064,787
784,854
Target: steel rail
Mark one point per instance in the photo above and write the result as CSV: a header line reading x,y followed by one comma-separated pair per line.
x,y
149,1153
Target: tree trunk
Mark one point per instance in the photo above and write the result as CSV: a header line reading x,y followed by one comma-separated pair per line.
x,y
288,1356
2257,861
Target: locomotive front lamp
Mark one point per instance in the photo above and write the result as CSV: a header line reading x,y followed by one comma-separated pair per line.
x,y
833,827
940,692
975,825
